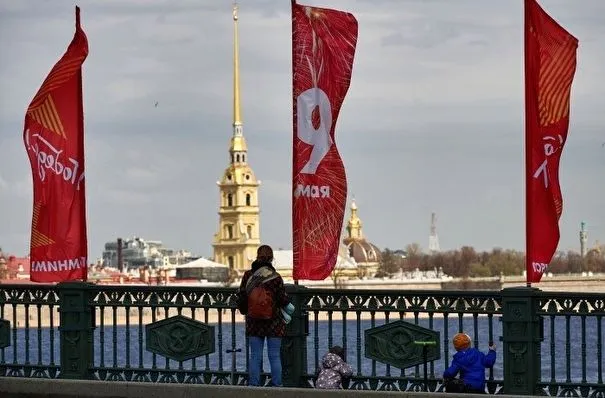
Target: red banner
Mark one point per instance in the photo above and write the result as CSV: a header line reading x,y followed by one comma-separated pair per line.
x,y
323,48
550,65
53,134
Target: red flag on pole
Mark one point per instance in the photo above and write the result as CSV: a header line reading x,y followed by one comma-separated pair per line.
x,y
550,64
53,134
323,48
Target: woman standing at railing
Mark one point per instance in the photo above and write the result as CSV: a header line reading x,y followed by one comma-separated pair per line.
x,y
260,298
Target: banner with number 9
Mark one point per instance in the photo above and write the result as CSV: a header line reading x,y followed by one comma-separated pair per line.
x,y
323,49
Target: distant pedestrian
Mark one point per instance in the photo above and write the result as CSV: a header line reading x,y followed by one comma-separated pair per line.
x,y
333,370
471,364
261,297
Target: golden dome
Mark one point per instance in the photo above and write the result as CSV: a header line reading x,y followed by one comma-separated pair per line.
x,y
363,251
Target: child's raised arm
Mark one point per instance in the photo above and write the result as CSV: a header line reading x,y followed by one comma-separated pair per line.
x,y
490,359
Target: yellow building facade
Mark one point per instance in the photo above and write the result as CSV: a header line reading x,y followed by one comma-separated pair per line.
x,y
238,234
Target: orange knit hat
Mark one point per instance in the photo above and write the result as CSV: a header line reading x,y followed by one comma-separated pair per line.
x,y
461,341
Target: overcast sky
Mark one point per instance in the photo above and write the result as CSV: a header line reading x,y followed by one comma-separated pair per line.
x,y
433,120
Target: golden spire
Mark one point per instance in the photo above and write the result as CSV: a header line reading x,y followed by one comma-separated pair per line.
x,y
237,112
238,142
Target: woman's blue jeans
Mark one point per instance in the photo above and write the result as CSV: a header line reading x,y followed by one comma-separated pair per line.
x,y
256,358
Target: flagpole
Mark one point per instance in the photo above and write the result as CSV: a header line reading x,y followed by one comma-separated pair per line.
x,y
81,131
293,3
527,150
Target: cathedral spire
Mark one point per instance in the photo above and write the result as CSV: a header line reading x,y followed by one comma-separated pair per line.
x,y
238,235
238,146
237,112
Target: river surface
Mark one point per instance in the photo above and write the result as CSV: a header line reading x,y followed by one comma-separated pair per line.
x,y
35,347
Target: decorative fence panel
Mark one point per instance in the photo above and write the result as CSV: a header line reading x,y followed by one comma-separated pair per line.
x,y
550,343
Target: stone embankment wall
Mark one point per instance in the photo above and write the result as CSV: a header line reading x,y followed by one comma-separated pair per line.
x,y
17,387
557,283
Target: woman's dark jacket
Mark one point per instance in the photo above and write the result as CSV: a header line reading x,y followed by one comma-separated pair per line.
x,y
274,327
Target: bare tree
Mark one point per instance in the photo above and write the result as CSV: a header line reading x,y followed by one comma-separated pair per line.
x,y
390,263
414,255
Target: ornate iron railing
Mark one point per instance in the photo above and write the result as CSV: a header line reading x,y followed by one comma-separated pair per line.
x,y
193,335
445,312
579,318
123,313
29,335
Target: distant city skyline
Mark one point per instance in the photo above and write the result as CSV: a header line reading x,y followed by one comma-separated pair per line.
x,y
433,121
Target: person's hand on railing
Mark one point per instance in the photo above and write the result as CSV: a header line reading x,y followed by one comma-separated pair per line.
x,y
492,346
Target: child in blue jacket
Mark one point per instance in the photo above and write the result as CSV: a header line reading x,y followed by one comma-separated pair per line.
x,y
471,364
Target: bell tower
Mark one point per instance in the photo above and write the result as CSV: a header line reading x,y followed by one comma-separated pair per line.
x,y
238,234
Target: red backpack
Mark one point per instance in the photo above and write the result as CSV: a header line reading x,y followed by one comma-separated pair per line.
x,y
261,303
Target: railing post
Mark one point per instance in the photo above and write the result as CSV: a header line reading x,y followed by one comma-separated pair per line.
x,y
522,334
294,344
76,329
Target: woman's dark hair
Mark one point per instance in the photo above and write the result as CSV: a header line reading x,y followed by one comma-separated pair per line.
x,y
338,350
264,253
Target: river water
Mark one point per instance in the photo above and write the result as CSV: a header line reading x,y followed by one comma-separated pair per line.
x,y
25,346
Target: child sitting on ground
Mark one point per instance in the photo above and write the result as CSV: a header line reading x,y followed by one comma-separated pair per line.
x,y
471,364
333,369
